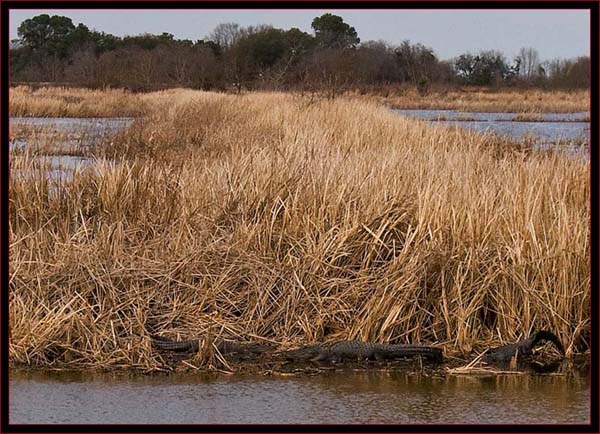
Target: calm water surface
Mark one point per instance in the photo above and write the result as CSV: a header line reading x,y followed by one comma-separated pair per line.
x,y
95,124
343,397
489,116
81,133
546,133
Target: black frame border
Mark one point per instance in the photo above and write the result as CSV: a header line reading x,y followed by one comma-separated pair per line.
x,y
7,5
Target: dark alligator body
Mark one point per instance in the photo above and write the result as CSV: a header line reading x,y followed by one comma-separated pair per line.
x,y
343,351
337,352
522,349
353,350
224,346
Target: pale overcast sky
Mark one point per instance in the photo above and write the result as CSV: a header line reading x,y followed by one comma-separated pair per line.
x,y
555,33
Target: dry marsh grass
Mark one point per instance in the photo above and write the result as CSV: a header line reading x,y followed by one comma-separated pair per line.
x,y
73,102
482,100
537,117
269,219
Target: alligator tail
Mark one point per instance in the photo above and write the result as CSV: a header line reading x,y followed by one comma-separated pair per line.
x,y
306,352
431,353
170,345
226,347
434,354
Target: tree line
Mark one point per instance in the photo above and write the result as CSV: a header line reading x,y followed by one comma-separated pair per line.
x,y
331,59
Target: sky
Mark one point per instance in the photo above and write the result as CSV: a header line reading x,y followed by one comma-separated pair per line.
x,y
554,33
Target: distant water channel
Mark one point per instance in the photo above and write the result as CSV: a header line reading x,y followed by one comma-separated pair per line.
x,y
99,125
337,397
77,134
565,127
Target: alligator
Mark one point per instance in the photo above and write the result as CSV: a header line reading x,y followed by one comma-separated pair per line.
x,y
522,349
356,350
336,352
224,346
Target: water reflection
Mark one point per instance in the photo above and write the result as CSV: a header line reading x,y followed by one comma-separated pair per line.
x,y
335,397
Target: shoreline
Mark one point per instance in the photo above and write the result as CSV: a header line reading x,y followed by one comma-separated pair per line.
x,y
454,367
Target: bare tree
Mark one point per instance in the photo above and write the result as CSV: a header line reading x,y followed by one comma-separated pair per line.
x,y
530,62
206,69
415,61
83,68
175,63
226,34
375,63
112,68
146,65
329,71
568,73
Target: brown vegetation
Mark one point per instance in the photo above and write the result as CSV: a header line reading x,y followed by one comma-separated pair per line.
x,y
537,117
73,102
488,100
77,102
275,219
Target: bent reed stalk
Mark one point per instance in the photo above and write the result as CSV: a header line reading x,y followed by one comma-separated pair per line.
x,y
267,218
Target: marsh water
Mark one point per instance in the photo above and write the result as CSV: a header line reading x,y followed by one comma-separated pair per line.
x,y
571,129
81,132
99,125
75,136
336,397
